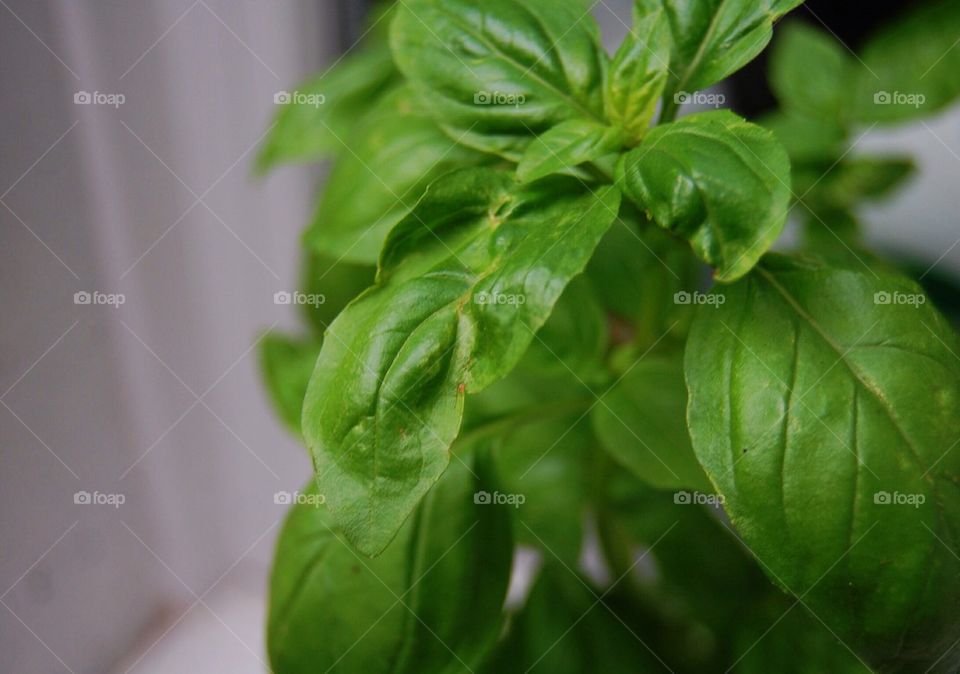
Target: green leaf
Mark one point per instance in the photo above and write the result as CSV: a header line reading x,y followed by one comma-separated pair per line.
x,y
712,39
641,422
498,73
333,610
812,72
716,180
337,282
639,74
818,393
542,442
910,68
286,364
574,339
396,152
807,138
720,611
636,273
852,181
566,146
464,283
323,112
564,629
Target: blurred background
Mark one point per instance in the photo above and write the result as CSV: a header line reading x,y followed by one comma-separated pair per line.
x,y
139,457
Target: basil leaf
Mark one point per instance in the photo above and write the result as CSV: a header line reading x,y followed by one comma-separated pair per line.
x,y
465,282
322,113
716,180
721,612
852,181
333,284
374,185
712,39
910,67
574,340
286,364
812,72
639,74
807,138
566,146
563,629
498,73
545,463
817,394
332,609
641,422
637,272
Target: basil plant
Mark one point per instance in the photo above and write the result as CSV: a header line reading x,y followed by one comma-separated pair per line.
x,y
555,353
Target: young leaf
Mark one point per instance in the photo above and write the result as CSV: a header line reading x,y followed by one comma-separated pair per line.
x,y
498,73
396,152
286,364
567,145
812,72
712,39
334,610
641,422
639,74
824,407
322,113
716,180
910,68
465,282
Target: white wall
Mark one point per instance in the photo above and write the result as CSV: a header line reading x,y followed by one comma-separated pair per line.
x,y
90,407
